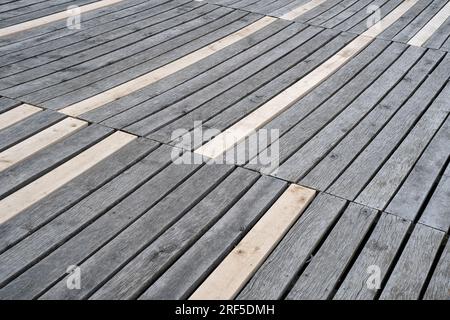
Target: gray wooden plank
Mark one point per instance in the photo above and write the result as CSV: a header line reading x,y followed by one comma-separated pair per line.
x,y
179,281
420,21
331,12
303,46
113,49
75,191
143,232
439,286
439,37
323,92
133,278
437,212
275,275
27,127
165,53
379,251
7,104
98,267
58,29
299,163
327,266
299,132
32,55
259,47
390,176
167,112
246,103
346,14
338,158
104,205
194,77
411,271
354,178
411,196
49,158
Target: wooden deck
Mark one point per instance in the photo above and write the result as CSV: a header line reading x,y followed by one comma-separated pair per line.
x,y
95,121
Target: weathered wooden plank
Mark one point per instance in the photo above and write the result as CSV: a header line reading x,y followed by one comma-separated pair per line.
x,y
427,31
108,210
354,178
102,265
379,252
113,47
280,268
288,97
75,191
46,160
47,51
328,265
299,163
27,127
17,114
120,51
338,158
411,271
262,86
188,271
7,104
41,140
38,189
147,79
439,37
140,272
439,286
291,15
54,17
420,21
411,196
329,12
390,176
218,79
437,212
240,264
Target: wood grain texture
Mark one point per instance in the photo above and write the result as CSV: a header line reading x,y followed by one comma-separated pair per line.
x,y
235,270
291,15
38,189
12,116
380,250
439,286
39,141
322,274
411,271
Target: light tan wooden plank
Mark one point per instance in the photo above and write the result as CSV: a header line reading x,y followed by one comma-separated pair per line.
x,y
162,72
291,15
427,31
21,112
38,189
289,96
236,269
54,17
39,141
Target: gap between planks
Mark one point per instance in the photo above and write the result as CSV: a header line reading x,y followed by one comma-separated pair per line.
x,y
236,269
21,112
255,120
164,71
40,188
291,15
54,17
39,141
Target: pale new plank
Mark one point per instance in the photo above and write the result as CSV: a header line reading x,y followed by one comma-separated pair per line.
x,y
54,17
39,141
12,116
236,269
162,72
427,31
38,189
289,96
291,15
